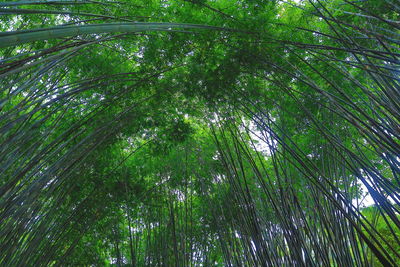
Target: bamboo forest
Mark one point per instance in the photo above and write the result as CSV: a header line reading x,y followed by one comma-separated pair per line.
x,y
190,133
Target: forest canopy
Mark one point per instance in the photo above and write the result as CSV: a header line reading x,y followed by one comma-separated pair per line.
x,y
199,133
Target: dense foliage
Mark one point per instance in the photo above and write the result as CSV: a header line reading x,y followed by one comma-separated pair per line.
x,y
199,133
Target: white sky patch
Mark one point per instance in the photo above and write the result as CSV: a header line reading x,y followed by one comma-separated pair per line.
x,y
180,196
260,144
365,200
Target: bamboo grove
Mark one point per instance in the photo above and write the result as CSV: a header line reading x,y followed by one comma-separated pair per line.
x,y
199,133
